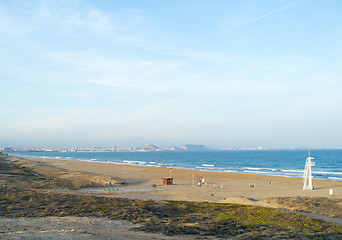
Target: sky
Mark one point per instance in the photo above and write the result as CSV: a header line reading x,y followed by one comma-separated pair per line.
x,y
221,73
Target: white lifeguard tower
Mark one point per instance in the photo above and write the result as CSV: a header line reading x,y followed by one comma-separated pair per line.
x,y
307,173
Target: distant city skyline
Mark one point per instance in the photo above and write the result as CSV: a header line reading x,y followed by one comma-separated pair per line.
x,y
148,148
219,73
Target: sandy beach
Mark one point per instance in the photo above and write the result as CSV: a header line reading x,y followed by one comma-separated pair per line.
x,y
215,186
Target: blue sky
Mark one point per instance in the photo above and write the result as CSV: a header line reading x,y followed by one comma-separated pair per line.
x,y
220,73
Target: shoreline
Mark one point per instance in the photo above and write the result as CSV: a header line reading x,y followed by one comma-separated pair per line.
x,y
217,186
247,170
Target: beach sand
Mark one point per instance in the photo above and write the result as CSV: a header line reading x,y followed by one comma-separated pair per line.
x,y
217,186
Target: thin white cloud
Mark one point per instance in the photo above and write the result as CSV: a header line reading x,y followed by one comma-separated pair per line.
x,y
263,16
250,21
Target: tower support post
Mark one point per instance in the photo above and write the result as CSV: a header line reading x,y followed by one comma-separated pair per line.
x,y
307,173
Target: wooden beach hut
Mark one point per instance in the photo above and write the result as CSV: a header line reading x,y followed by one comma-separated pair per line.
x,y
168,181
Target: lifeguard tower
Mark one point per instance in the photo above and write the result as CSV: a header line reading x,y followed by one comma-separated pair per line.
x,y
307,173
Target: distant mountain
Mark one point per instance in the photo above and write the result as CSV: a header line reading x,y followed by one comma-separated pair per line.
x,y
135,141
149,147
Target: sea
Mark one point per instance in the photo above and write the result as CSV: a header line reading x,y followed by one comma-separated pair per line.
x,y
284,163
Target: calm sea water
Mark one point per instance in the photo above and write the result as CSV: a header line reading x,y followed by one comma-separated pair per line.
x,y
286,163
